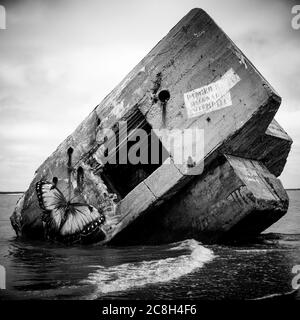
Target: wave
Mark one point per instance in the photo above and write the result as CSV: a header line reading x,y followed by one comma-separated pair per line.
x,y
184,245
132,275
291,295
257,250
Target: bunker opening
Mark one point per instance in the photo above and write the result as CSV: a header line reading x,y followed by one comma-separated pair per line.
x,y
70,153
80,178
136,154
164,96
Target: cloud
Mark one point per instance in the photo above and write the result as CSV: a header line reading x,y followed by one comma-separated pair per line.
x,y
59,59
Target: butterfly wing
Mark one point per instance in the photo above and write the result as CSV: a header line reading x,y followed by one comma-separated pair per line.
x,y
68,222
52,202
81,218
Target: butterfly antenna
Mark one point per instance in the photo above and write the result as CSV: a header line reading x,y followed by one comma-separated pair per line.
x,y
70,152
69,185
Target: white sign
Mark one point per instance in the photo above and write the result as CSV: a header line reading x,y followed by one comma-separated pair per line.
x,y
212,97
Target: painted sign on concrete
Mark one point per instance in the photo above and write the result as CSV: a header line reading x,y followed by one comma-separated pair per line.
x,y
211,97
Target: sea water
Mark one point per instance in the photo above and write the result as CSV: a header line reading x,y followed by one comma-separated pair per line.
x,y
183,270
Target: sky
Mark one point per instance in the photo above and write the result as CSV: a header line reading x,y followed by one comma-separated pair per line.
x,y
60,58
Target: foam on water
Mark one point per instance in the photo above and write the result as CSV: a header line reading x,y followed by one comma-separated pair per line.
x,y
260,251
278,295
129,275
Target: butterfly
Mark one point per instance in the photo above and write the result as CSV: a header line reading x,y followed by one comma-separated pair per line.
x,y
66,221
